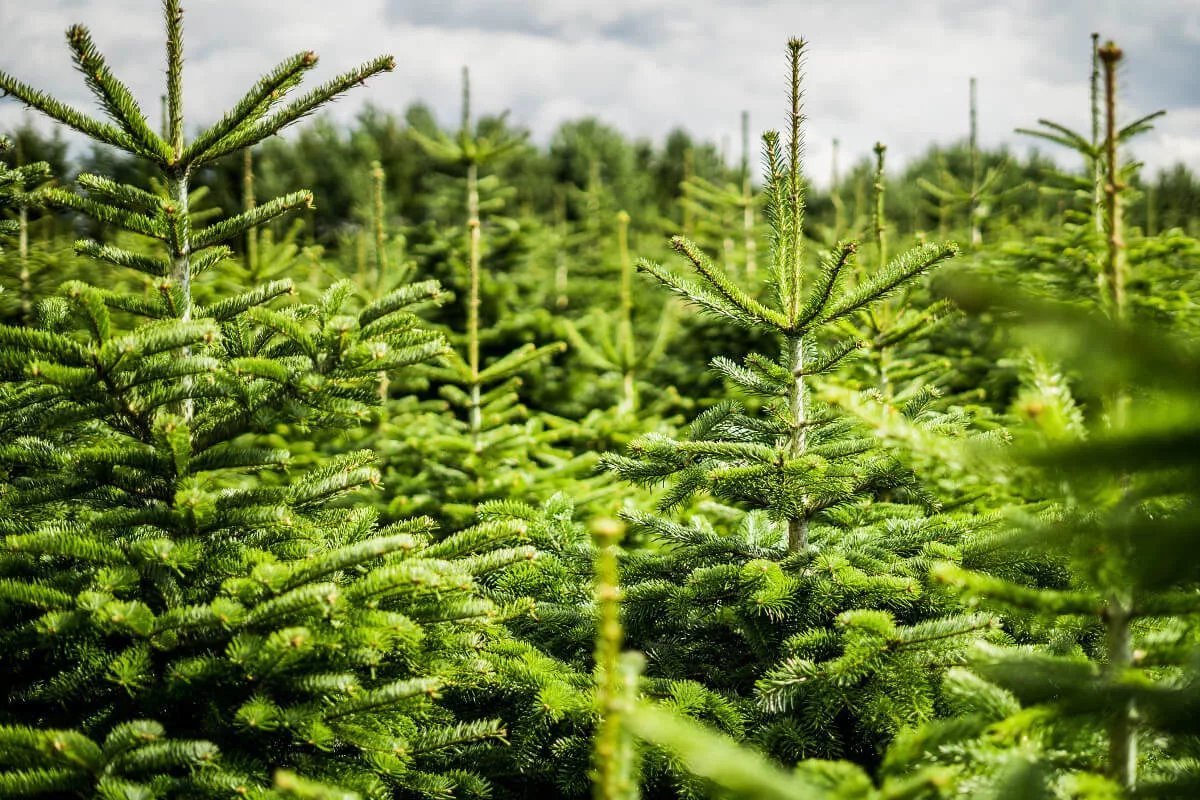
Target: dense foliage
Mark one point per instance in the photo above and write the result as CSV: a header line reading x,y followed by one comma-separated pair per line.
x,y
422,490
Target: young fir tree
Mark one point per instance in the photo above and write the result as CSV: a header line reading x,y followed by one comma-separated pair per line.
x,y
979,192
609,343
814,613
1070,260
635,730
1099,698
1112,695
15,201
716,210
178,615
902,386
486,446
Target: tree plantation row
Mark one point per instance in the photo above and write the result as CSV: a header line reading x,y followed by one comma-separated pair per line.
x,y
479,470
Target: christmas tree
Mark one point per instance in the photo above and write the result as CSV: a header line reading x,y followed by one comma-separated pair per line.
x,y
184,615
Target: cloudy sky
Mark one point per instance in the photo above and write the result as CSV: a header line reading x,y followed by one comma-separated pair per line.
x,y
890,70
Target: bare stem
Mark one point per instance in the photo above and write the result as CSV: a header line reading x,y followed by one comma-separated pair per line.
x,y
180,246
377,184
1110,56
750,245
798,399
973,205
879,187
613,756
561,268
23,245
248,203
1122,728
473,224
626,344
798,437
1096,164
835,192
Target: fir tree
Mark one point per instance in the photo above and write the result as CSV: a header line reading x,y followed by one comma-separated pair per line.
x,y
180,616
904,386
1065,259
609,344
816,607
15,199
719,208
1122,663
486,447
979,192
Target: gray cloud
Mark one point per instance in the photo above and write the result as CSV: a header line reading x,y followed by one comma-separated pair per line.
x,y
877,70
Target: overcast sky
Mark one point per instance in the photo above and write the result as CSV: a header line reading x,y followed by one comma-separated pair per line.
x,y
890,70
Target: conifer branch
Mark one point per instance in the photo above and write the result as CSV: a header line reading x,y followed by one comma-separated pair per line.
x,y
232,227
901,270
297,110
695,294
828,279
65,114
264,95
151,265
725,287
115,97
103,212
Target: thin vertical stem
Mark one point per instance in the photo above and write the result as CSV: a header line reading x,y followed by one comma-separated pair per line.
x,y
973,145
688,170
613,757
473,259
748,241
377,182
1110,55
795,189
1096,164
179,245
26,276
835,191
879,220
796,343
377,212
174,16
593,195
561,266
23,260
248,203
1122,727
473,304
465,130
877,216
798,435
1151,209
625,340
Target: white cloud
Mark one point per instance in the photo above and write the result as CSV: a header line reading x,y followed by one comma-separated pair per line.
x,y
877,70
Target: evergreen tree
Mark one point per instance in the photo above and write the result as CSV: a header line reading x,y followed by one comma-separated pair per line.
x,y
1120,664
15,182
485,447
718,209
814,613
179,615
608,342
979,192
